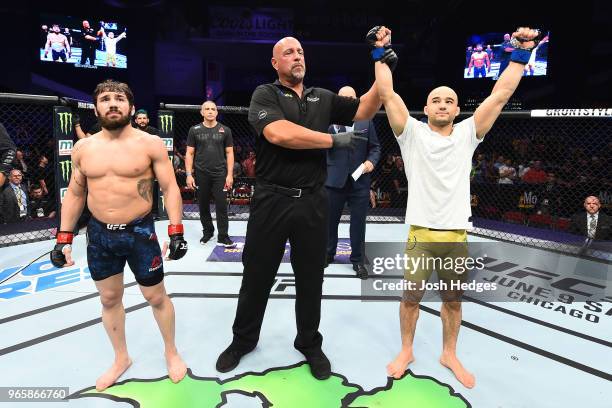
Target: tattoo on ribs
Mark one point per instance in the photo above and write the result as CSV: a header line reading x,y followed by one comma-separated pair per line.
x,y
145,189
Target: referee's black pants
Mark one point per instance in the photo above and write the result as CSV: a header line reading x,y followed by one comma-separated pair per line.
x,y
273,219
212,185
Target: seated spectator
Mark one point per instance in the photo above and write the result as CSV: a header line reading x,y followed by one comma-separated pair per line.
x,y
507,173
20,164
535,174
479,165
248,165
238,170
41,174
178,162
14,203
592,223
399,194
499,162
40,206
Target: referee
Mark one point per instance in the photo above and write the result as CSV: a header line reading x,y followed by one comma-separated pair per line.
x,y
290,201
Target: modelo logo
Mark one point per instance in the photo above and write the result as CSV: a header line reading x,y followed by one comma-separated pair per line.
x,y
64,147
528,200
169,143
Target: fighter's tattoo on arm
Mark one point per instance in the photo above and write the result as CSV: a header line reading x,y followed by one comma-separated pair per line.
x,y
76,173
145,189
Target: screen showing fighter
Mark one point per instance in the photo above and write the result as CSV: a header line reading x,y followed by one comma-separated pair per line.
x,y
82,42
487,55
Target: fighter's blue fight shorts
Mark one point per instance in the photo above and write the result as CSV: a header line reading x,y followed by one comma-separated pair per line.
x,y
109,246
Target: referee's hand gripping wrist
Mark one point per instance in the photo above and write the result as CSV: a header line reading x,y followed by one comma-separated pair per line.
x,y
344,140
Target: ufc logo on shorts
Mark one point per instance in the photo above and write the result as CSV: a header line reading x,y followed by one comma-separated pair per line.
x,y
115,227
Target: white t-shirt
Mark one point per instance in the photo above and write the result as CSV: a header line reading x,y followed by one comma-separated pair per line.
x,y
438,172
110,44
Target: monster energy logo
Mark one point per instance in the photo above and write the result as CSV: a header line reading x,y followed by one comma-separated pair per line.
x,y
65,119
166,123
66,167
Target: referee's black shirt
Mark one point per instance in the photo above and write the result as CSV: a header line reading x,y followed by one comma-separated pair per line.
x,y
316,110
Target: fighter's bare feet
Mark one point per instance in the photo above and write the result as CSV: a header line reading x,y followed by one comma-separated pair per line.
x,y
176,367
398,366
464,376
112,374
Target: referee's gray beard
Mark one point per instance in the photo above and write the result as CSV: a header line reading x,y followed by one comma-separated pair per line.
x,y
296,78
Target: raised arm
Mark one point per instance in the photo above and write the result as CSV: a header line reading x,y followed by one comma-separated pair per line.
x,y
396,110
488,111
369,104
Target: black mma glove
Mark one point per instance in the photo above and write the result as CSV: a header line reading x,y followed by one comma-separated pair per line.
x,y
178,245
389,58
348,139
384,54
64,239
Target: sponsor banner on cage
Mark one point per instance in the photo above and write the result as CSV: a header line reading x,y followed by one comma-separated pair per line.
x,y
63,129
222,254
484,272
571,113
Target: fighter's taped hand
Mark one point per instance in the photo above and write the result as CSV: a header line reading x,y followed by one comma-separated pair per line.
x,y
348,139
178,245
64,241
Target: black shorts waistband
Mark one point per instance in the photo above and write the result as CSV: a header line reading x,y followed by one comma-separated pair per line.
x,y
129,227
288,191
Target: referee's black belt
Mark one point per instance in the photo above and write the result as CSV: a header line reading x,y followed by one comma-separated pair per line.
x,y
288,191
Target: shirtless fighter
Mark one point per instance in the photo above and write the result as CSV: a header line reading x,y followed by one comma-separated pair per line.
x,y
58,43
481,63
119,195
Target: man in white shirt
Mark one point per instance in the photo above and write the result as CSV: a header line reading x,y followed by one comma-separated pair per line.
x,y
507,173
438,164
110,42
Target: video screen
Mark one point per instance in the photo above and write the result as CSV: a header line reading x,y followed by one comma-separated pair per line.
x,y
487,55
83,42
